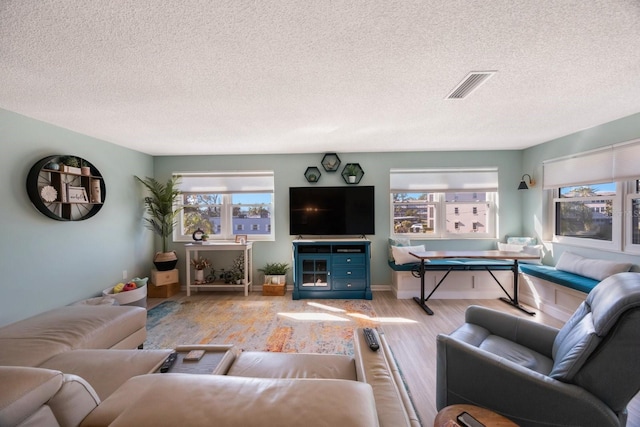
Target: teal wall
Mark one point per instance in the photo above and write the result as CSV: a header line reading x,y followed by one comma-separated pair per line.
x,y
289,172
47,263
534,206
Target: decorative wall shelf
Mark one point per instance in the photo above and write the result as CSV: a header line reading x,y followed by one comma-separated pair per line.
x,y
331,162
352,173
63,192
312,174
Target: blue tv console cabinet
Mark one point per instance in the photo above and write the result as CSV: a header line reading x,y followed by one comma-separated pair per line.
x,y
332,269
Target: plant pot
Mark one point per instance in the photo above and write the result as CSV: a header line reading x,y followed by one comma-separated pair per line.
x,y
275,279
165,261
199,275
85,170
352,179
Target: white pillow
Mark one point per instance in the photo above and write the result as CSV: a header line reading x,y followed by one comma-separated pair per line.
x,y
531,250
398,241
597,269
525,241
401,254
510,247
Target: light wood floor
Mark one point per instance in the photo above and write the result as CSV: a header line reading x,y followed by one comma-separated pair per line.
x,y
411,335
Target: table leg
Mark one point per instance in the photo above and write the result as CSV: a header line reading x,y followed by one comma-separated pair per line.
x,y
187,260
514,301
420,300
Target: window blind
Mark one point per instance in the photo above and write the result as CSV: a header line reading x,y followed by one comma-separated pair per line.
x,y
227,182
443,180
613,163
626,161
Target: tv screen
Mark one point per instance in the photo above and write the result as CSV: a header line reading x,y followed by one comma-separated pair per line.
x,y
331,211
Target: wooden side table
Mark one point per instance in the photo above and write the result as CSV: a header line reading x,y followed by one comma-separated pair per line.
x,y
447,417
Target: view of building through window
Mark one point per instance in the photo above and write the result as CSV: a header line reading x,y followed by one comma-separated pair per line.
x,y
462,212
250,213
586,211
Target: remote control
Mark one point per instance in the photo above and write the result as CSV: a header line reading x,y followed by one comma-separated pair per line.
x,y
467,420
371,339
168,363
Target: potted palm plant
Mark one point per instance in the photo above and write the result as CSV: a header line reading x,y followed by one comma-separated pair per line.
x,y
162,216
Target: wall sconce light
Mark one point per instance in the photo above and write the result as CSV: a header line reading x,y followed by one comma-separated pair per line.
x,y
523,185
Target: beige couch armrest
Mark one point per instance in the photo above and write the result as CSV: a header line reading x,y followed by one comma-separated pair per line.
x,y
379,369
26,392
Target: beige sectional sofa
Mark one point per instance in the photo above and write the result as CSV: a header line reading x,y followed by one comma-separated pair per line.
x,y
53,374
82,365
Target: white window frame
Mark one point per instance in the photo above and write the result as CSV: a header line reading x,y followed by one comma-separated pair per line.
x,y
227,184
616,223
439,182
631,194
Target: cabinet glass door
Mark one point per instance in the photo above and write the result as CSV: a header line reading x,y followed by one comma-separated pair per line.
x,y
315,272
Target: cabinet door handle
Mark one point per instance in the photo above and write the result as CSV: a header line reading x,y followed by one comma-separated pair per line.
x,y
348,285
348,273
348,259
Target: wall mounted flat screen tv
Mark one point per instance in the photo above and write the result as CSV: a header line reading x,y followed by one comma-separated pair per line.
x,y
331,211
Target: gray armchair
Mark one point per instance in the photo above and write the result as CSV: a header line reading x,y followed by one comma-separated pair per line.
x,y
584,374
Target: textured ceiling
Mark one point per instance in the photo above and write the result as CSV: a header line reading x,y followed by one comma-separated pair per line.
x,y
276,76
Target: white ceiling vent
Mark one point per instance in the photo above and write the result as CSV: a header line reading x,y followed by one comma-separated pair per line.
x,y
471,82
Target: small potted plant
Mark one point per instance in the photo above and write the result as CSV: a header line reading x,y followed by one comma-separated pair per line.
x,y
71,164
351,170
237,271
275,273
85,169
199,264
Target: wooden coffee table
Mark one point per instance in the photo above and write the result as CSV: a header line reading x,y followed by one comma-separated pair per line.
x,y
447,417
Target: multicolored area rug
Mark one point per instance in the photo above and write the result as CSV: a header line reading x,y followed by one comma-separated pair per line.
x,y
279,325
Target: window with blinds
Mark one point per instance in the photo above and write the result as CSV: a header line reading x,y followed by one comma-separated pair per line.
x,y
595,197
444,203
224,204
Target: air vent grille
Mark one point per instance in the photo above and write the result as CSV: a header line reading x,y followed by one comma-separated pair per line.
x,y
470,83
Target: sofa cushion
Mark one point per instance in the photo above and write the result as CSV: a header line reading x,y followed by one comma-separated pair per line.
x,y
597,269
564,278
572,352
205,400
106,370
31,341
293,365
